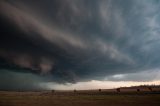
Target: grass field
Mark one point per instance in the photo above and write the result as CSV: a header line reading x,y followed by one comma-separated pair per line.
x,y
79,98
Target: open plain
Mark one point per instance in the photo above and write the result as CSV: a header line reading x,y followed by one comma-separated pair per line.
x,y
127,97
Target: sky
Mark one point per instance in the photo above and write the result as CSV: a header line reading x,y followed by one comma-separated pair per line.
x,y
79,44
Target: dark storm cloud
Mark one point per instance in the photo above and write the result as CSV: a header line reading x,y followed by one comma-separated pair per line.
x,y
20,81
79,40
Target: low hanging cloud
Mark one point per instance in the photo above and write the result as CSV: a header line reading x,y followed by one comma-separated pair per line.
x,y
143,76
42,64
74,41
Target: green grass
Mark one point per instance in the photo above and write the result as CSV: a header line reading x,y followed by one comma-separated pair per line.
x,y
71,99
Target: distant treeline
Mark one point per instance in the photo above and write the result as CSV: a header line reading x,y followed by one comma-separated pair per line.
x,y
142,86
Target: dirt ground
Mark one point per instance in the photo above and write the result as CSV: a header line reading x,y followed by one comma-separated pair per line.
x,y
48,98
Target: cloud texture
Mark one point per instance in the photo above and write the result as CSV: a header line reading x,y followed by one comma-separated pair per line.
x,y
77,40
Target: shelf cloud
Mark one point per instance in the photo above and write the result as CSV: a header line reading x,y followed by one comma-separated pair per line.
x,y
72,41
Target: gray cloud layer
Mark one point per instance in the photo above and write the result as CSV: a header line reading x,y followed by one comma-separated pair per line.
x,y
78,40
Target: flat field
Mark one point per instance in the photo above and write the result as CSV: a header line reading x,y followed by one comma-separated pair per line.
x,y
79,98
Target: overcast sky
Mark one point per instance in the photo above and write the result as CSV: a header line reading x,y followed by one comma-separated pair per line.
x,y
67,44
